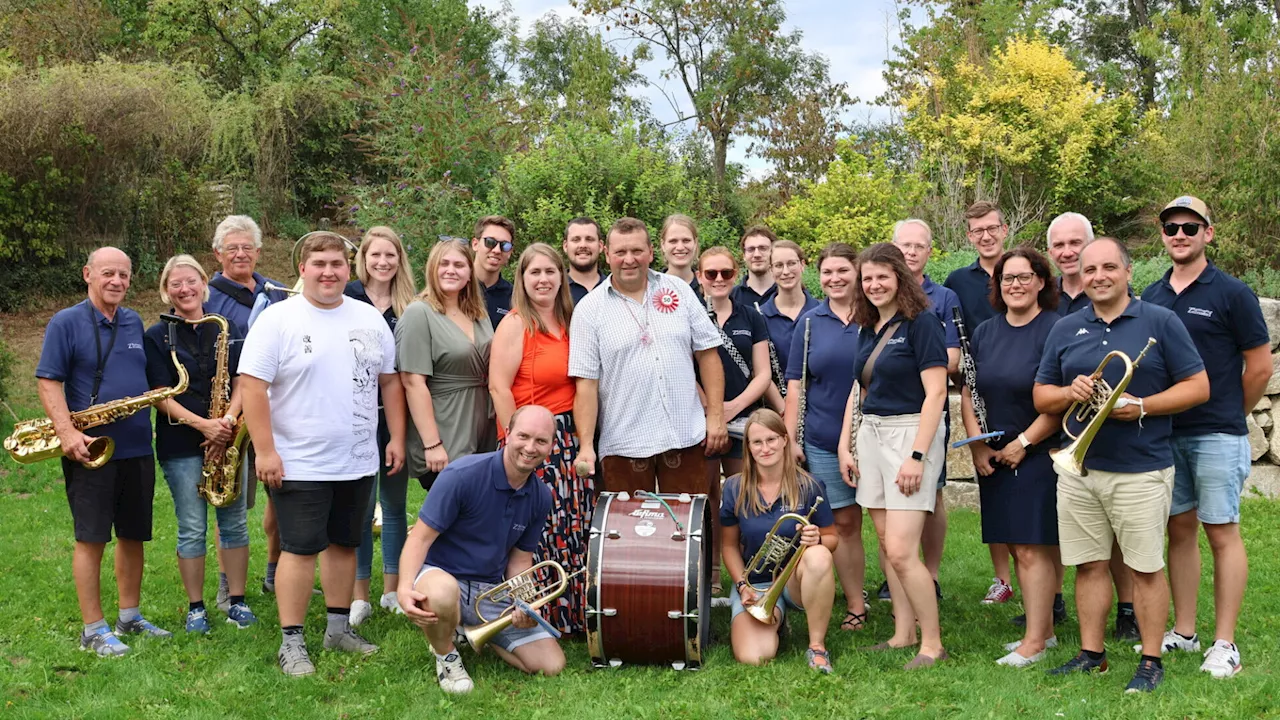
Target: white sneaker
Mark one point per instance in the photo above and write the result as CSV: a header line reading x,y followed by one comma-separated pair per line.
x,y
1013,659
1052,642
1173,641
1222,660
452,675
717,602
391,602
360,611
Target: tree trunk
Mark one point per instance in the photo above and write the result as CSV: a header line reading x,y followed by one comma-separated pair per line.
x,y
720,151
1140,19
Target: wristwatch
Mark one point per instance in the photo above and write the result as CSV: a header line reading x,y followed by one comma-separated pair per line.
x,y
917,455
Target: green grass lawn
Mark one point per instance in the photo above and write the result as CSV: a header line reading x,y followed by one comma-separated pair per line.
x,y
233,674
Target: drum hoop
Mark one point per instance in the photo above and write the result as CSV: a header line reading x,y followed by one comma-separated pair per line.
x,y
595,638
692,649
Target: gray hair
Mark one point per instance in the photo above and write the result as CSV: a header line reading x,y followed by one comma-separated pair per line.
x,y
1124,251
911,221
237,224
1088,226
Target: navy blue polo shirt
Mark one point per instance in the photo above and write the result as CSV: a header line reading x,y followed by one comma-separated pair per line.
x,y
197,351
355,290
237,304
1079,342
916,346
832,348
1224,319
942,300
480,517
1007,359
697,288
745,327
1068,304
754,528
782,328
578,291
70,356
972,285
746,295
497,299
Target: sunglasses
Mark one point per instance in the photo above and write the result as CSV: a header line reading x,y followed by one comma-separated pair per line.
x,y
492,243
1190,229
718,274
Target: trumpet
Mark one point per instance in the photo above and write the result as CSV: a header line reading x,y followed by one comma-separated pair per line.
x,y
1094,411
773,554
519,592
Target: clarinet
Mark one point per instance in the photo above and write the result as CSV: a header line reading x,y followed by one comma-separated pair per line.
x,y
970,370
774,365
803,404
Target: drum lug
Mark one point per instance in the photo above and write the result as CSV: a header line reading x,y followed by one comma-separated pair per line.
x,y
615,662
685,498
624,496
613,534
607,612
677,666
676,614
678,536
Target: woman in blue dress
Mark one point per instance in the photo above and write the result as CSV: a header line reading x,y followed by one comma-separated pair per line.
x,y
1016,479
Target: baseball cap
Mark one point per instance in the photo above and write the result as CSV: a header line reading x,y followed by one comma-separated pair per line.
x,y
1190,203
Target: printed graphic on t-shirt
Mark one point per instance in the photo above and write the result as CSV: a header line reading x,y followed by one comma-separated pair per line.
x,y
366,362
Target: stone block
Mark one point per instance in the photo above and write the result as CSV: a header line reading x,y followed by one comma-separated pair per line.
x,y
1264,480
1273,385
1258,445
1263,419
1271,313
1264,403
964,494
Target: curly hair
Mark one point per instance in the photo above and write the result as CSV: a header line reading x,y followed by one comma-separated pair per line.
x,y
1047,299
911,298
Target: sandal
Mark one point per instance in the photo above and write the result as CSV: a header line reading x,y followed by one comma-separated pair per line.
x,y
853,621
813,656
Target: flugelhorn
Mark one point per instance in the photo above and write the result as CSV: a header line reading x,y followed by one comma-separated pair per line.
x,y
1094,411
272,287
773,554
519,590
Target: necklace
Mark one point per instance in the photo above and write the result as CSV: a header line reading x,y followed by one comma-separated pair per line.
x,y
645,338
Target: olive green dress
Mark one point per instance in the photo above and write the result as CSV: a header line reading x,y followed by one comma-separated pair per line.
x,y
457,371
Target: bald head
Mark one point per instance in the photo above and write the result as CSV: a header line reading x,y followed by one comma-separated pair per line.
x,y
108,254
107,272
529,440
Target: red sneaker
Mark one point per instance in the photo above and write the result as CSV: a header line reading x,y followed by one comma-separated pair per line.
x,y
999,592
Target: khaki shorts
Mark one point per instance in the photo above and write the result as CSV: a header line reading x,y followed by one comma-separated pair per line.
x,y
1131,508
884,443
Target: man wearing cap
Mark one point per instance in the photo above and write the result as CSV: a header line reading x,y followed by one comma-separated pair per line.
x,y
1210,445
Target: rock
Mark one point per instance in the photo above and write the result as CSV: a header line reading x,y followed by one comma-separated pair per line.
x,y
1273,385
964,494
1271,313
1264,403
1257,439
1264,481
1273,449
959,461
1263,419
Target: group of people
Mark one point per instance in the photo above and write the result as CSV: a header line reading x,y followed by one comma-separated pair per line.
x,y
515,403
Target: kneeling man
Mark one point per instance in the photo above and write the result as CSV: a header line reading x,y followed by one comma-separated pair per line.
x,y
481,523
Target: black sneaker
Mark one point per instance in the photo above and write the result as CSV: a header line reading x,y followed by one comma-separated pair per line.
x,y
1083,664
1127,627
1146,679
1059,616
883,592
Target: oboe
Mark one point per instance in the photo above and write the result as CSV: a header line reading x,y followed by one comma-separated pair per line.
x,y
970,370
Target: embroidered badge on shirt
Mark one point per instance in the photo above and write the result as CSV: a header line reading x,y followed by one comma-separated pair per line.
x,y
666,300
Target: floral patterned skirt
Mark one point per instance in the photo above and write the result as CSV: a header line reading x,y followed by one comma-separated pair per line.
x,y
573,499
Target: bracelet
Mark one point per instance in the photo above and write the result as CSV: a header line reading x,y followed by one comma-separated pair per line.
x,y
433,447
739,585
1142,410
1022,439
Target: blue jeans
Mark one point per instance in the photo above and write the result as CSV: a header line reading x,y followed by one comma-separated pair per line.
x,y
391,492
824,466
183,476
1208,476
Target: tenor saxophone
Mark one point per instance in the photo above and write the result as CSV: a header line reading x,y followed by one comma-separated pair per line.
x,y
36,440
220,475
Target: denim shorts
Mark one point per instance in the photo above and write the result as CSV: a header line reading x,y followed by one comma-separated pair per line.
x,y
511,636
825,468
312,515
183,477
1208,476
784,603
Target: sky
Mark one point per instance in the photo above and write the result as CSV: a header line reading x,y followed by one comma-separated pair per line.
x,y
854,35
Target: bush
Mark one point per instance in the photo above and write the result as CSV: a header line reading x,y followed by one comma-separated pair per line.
x,y
6,370
1149,270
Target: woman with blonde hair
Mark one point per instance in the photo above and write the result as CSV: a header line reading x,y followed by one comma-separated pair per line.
x,y
385,281
442,351
530,366
771,485
679,240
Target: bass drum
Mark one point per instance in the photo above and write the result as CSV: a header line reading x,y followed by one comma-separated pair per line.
x,y
648,571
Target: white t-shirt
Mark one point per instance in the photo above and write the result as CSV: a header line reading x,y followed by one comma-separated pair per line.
x,y
322,367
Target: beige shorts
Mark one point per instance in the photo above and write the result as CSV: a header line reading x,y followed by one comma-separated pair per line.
x,y
884,443
1131,508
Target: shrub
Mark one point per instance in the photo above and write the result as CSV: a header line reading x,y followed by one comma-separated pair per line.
x,y
6,370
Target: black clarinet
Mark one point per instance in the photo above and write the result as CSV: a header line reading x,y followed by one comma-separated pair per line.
x,y
774,365
970,370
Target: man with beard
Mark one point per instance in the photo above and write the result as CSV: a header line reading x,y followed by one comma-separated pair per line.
x,y
757,284
1210,444
582,247
492,242
1122,493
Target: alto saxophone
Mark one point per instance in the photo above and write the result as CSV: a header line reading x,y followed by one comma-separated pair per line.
x,y
36,440
220,476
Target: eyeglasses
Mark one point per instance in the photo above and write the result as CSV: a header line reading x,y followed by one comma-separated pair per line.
x,y
989,230
179,284
237,249
492,243
788,265
1020,278
719,274
754,249
1190,229
914,247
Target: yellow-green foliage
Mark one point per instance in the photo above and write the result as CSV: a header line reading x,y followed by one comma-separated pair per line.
x,y
857,202
1029,110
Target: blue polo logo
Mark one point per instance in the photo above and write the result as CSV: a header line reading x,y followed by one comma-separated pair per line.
x,y
896,341
1200,311
135,346
517,527
1081,331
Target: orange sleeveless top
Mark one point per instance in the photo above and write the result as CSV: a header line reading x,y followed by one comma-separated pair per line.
x,y
543,377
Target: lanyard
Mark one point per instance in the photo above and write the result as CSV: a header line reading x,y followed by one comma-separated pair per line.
x,y
197,351
102,359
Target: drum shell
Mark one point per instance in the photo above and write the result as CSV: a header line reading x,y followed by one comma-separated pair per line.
x,y
648,599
